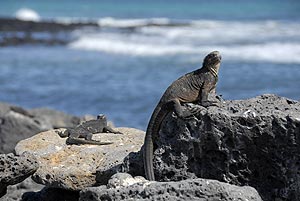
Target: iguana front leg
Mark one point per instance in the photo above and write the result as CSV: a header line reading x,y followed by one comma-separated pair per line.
x,y
206,89
181,112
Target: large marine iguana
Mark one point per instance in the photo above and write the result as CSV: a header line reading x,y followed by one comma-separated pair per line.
x,y
86,130
192,87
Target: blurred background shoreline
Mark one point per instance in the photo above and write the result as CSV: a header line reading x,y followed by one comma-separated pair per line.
x,y
118,57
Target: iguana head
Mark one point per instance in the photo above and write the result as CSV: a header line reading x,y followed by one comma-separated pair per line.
x,y
212,62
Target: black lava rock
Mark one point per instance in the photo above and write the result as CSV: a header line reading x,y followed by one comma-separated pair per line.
x,y
253,142
14,169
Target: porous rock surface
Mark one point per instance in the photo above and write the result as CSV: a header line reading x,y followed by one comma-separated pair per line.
x,y
253,142
74,167
17,123
192,189
18,191
15,169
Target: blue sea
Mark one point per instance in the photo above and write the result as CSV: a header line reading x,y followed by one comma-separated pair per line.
x,y
124,73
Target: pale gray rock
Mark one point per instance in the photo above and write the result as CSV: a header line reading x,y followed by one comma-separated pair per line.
x,y
14,126
192,189
15,169
56,119
17,123
253,142
74,167
123,180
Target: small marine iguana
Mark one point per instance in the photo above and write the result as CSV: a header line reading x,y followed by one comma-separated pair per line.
x,y
190,88
86,130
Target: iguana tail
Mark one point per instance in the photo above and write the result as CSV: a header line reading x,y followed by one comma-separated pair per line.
x,y
79,141
152,133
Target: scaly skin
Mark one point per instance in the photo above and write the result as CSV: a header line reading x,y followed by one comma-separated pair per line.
x,y
86,131
190,88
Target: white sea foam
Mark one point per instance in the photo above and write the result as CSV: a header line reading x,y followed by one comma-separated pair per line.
x,y
131,48
68,20
123,23
27,14
270,52
270,41
222,31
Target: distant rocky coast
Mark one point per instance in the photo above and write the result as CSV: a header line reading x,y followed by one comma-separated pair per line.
x,y
54,32
18,32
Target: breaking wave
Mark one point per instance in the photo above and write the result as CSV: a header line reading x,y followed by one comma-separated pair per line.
x,y
271,52
112,22
270,41
27,14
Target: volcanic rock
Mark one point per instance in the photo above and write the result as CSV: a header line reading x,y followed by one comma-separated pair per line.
x,y
253,142
192,189
14,169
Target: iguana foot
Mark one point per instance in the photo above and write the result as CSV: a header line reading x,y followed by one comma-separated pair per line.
x,y
189,112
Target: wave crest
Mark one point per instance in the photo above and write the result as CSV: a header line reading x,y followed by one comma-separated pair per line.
x,y
27,14
270,41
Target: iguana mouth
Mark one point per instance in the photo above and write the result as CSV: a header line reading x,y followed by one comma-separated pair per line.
x,y
212,58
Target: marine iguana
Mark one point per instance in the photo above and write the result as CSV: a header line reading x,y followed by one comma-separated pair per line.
x,y
190,88
86,130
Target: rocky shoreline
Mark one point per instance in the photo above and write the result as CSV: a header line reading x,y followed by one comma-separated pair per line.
x,y
242,150
15,32
18,32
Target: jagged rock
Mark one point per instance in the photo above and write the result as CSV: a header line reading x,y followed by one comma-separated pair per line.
x,y
14,169
253,142
17,124
193,189
17,191
28,190
75,167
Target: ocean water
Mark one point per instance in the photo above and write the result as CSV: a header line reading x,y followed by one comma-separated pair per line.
x,y
123,72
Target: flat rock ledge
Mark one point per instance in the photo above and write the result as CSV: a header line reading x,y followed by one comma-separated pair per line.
x,y
15,169
74,167
125,187
253,142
